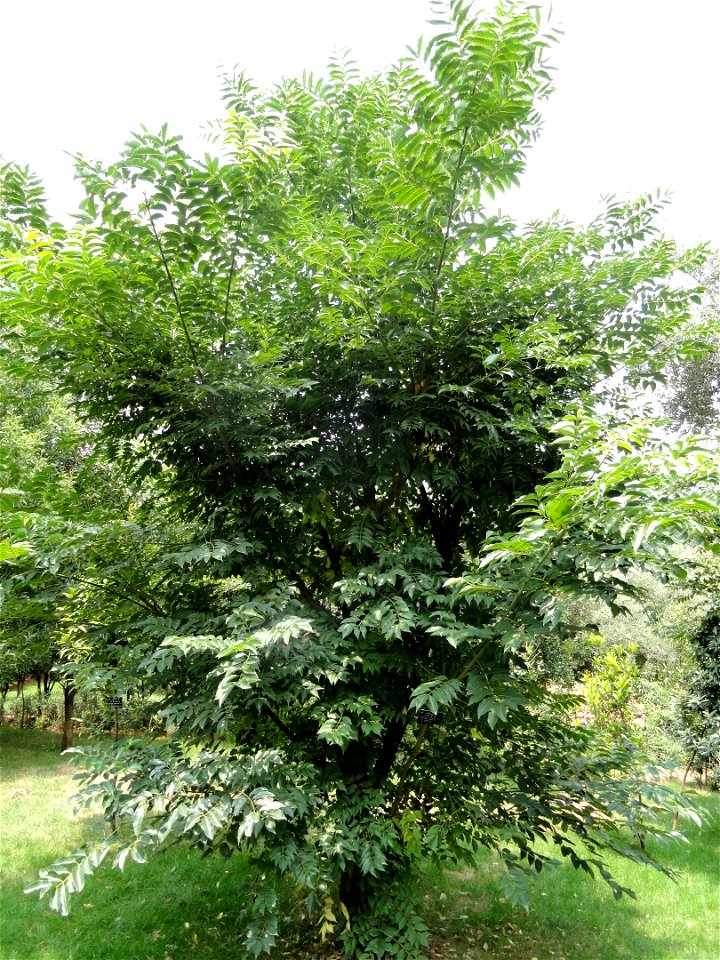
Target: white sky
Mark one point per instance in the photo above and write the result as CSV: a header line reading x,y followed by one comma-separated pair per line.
x,y
637,104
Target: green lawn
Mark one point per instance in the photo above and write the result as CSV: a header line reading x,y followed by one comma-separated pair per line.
x,y
176,906
179,906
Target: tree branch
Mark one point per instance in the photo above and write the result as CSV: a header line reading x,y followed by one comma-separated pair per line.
x,y
280,724
333,554
138,600
227,305
397,799
309,597
448,223
176,298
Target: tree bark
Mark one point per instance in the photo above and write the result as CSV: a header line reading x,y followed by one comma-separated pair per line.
x,y
388,751
69,703
688,768
351,890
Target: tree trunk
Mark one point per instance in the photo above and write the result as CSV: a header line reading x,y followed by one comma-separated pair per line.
x,y
69,703
388,750
351,890
688,768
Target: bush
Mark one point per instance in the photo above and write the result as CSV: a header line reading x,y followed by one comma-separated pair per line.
x,y
567,658
610,687
91,712
660,728
40,710
94,715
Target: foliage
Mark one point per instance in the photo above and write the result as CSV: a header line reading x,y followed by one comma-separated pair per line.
x,y
93,716
49,468
701,705
693,400
53,476
610,687
378,454
192,910
657,627
659,727
22,206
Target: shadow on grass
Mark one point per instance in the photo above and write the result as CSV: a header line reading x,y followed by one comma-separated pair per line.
x,y
574,918
21,749
176,906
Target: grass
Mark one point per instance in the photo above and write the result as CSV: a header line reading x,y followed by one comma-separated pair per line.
x,y
180,907
176,906
574,918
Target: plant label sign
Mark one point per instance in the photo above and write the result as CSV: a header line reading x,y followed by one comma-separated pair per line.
x,y
115,702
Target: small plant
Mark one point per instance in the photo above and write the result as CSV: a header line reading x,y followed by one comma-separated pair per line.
x,y
610,686
95,716
389,926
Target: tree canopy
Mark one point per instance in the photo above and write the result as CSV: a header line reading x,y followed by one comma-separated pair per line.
x,y
693,399
378,445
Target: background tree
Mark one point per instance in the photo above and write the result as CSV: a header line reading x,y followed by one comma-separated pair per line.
x,y
387,420
22,206
693,399
55,482
700,704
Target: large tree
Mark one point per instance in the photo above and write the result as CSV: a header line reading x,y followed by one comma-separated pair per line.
x,y
391,420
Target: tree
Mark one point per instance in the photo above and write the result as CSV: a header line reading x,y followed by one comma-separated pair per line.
x,y
700,704
22,206
388,421
50,468
693,399
82,591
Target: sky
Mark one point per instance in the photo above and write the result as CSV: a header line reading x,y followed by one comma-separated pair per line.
x,y
636,107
